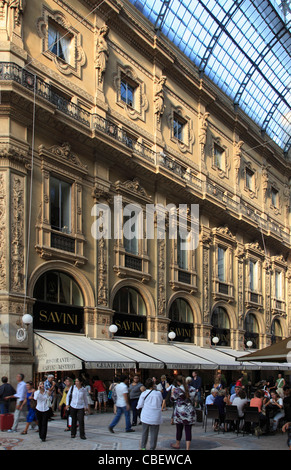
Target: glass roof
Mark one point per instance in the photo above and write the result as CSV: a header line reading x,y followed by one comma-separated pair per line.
x,y
243,46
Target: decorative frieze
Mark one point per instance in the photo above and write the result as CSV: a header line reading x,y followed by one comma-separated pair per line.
x,y
3,231
17,231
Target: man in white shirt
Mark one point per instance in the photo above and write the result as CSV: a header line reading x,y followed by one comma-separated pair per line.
x,y
122,404
210,398
20,395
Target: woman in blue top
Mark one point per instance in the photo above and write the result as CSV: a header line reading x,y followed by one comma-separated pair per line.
x,y
31,413
220,400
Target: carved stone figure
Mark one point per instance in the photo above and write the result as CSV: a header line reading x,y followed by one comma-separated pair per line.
x,y
203,134
159,98
237,159
265,180
102,52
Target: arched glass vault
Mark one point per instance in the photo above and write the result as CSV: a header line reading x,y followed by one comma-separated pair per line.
x,y
243,46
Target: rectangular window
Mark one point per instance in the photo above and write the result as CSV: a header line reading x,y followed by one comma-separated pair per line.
x,y
178,128
182,254
219,157
221,264
278,284
127,92
274,197
130,241
59,41
253,275
249,179
60,205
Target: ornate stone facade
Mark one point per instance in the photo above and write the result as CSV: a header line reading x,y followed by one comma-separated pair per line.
x,y
131,120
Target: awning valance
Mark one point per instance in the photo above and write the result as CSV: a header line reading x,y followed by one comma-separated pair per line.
x,y
171,356
219,359
56,351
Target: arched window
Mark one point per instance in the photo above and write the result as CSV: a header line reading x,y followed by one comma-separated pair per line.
x,y
276,331
130,313
251,330
181,323
181,311
59,303
128,300
221,326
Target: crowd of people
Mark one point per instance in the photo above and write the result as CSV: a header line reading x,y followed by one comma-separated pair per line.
x,y
143,403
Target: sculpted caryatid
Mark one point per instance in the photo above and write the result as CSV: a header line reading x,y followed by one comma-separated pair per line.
x,y
237,158
203,134
159,97
102,52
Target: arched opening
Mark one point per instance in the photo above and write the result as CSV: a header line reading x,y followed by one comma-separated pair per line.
x,y
220,326
59,303
251,331
181,320
130,313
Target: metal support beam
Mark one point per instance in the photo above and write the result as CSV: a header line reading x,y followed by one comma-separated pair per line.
x,y
162,15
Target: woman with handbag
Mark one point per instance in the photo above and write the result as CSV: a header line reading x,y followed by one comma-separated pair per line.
x,y
31,404
77,402
184,413
150,401
63,403
43,401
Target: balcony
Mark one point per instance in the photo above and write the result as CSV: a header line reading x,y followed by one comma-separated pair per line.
x,y
166,165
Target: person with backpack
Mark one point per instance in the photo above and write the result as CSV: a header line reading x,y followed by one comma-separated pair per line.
x,y
122,404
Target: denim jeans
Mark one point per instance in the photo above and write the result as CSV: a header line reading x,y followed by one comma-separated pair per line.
x,y
120,410
4,408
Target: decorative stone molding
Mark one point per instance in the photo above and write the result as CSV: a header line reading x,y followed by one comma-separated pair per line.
x,y
11,20
17,231
61,161
253,191
133,189
161,278
3,231
223,169
186,144
62,155
77,54
223,238
140,105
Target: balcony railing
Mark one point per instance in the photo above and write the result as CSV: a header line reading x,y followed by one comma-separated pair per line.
x,y
13,72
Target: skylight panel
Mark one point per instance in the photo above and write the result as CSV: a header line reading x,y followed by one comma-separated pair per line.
x,y
239,59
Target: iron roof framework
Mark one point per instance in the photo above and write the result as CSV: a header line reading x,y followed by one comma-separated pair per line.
x,y
243,46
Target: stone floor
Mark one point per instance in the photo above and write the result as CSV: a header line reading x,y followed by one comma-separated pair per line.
x,y
100,439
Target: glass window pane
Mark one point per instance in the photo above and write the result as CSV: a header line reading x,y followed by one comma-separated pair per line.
x,y
221,264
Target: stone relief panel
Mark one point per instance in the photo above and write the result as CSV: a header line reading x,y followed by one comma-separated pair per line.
x,y
3,231
17,268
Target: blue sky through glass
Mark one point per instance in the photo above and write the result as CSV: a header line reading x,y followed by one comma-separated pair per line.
x,y
244,46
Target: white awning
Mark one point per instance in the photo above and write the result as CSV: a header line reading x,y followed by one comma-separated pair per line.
x,y
220,359
57,351
143,361
171,356
256,365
